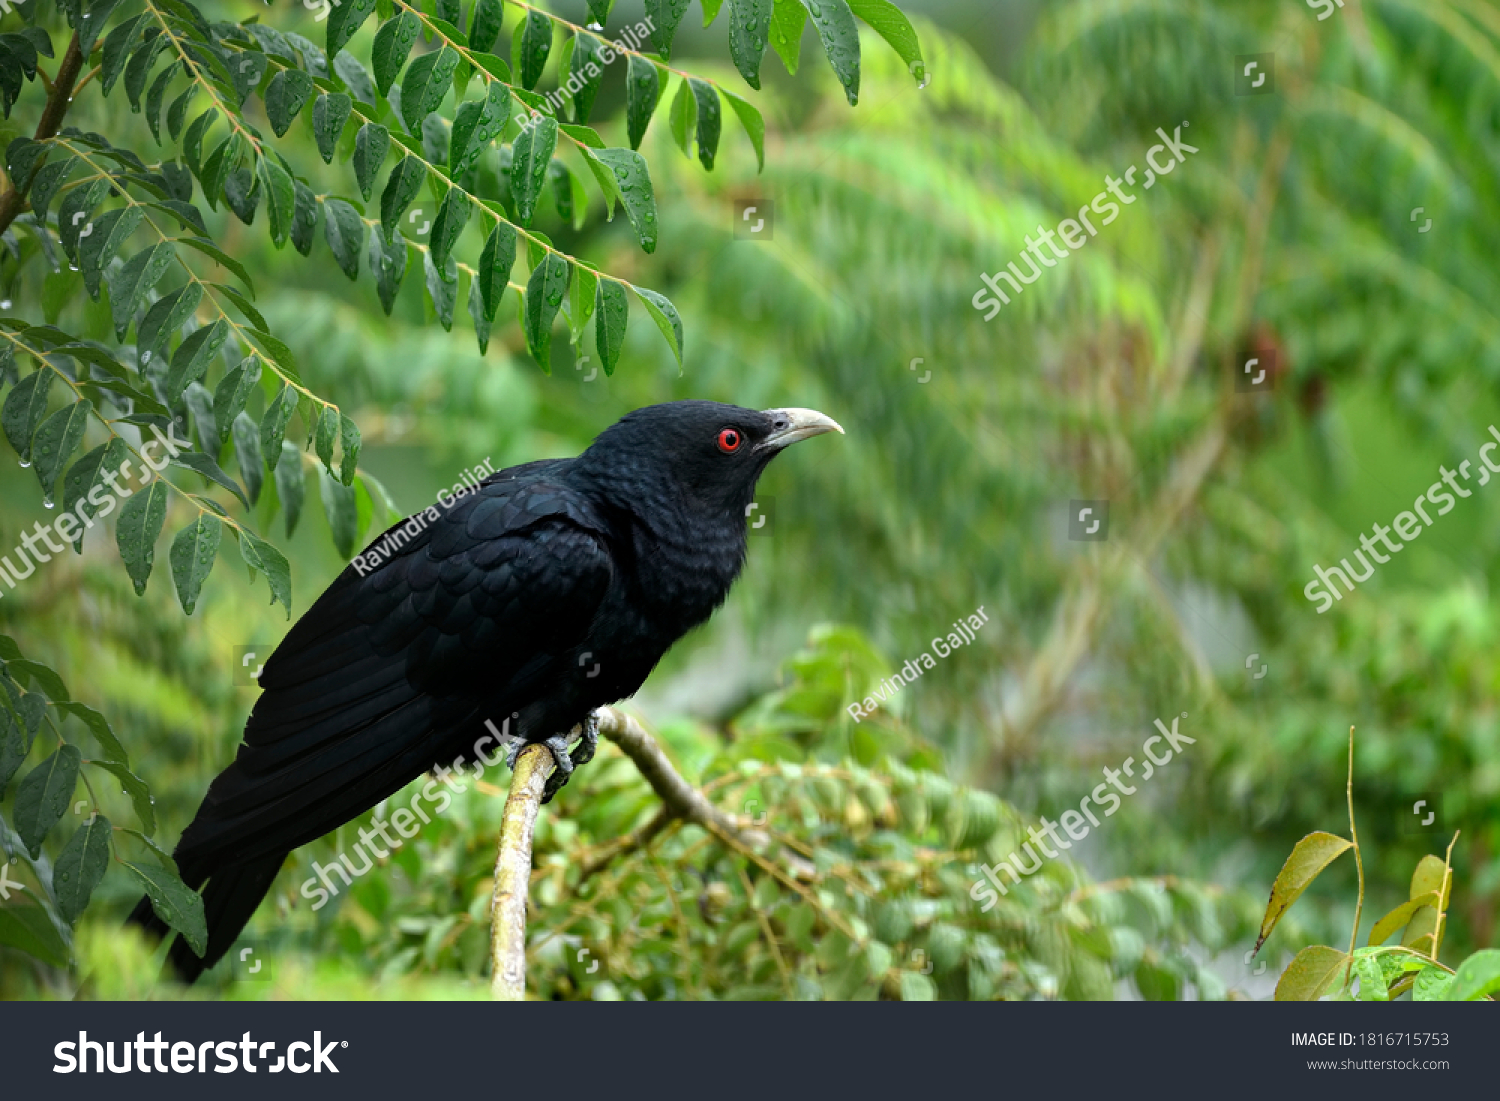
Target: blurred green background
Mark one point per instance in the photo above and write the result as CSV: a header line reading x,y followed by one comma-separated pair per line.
x,y
1290,236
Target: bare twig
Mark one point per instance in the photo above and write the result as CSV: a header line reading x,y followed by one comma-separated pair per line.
x,y
680,798
1359,865
513,874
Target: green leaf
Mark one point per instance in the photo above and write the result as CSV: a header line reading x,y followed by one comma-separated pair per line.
x,y
131,282
326,434
140,523
116,52
80,866
304,218
174,902
110,231
281,199
535,45
370,146
667,320
177,112
1430,876
135,787
86,475
447,225
1309,857
749,28
476,312
393,43
49,682
426,82
262,556
642,91
344,20
709,122
286,95
637,195
665,16
585,65
190,361
544,295
154,98
581,294
29,927
893,26
193,551
475,126
345,232
840,36
24,408
199,463
232,393
442,288
684,117
495,263
1477,977
15,744
528,170
754,125
351,442
788,20
242,193
273,425
291,485
208,248
388,264
56,440
1372,983
330,113
1314,972
484,27
611,313
343,516
1398,918
164,318
44,795
400,189
1432,985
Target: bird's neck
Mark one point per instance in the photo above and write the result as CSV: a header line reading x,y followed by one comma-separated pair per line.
x,y
686,552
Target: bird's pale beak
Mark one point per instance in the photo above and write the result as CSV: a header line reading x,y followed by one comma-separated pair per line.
x,y
791,425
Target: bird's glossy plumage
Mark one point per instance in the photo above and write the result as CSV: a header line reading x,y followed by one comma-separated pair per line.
x,y
551,589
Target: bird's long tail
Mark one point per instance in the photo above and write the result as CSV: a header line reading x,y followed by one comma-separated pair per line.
x,y
232,895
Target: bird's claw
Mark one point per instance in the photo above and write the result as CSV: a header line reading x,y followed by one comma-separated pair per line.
x,y
587,733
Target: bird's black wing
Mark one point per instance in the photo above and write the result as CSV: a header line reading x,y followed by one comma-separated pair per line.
x,y
471,612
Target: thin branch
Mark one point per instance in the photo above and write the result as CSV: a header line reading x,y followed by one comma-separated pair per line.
x,y
58,98
1359,865
513,874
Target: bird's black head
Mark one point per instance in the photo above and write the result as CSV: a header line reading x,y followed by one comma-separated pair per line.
x,y
703,456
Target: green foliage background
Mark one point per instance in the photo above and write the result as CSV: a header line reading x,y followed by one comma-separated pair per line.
x,y
1111,377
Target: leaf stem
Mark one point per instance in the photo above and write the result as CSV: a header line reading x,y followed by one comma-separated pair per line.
x,y
59,95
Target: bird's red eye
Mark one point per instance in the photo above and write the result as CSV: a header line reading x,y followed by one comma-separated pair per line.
x,y
729,440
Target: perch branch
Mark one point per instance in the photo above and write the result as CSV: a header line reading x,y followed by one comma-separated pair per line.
x,y
513,874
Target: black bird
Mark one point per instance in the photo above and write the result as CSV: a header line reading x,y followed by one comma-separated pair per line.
x,y
551,589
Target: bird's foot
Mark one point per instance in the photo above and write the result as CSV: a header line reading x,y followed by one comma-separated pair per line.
x,y
587,733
